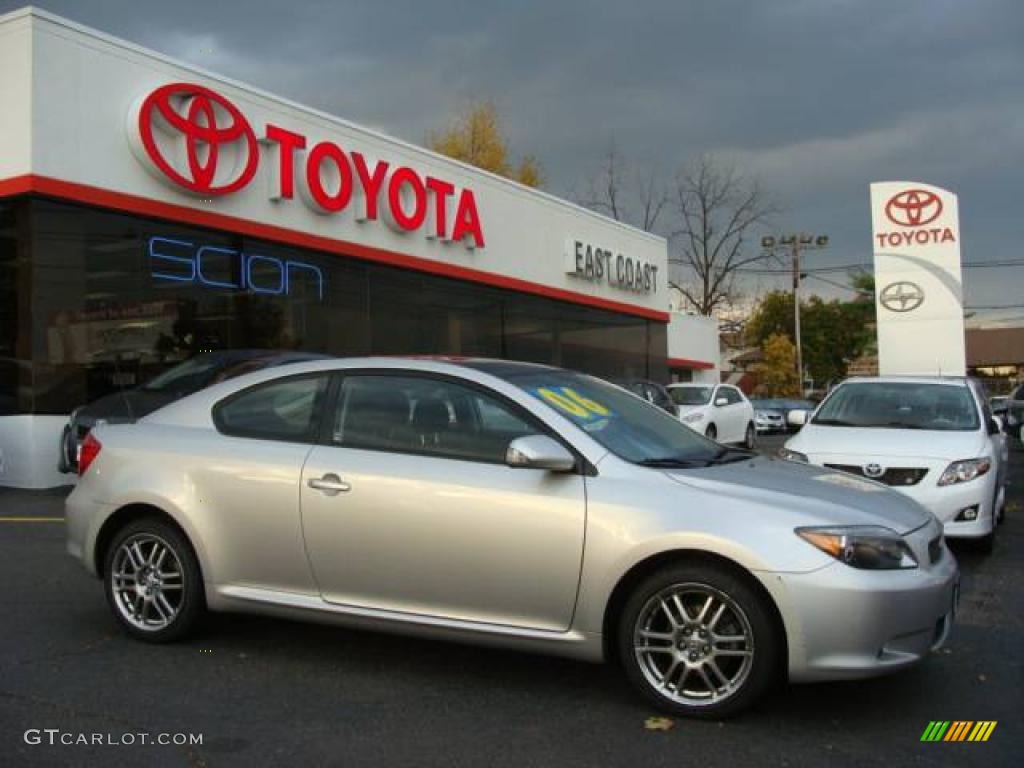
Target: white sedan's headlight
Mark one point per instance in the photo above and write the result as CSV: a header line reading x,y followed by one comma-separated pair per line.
x,y
692,417
788,455
871,548
965,470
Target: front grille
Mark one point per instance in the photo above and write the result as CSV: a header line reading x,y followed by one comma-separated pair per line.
x,y
935,549
897,476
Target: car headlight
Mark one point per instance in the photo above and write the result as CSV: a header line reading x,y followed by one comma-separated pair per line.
x,y
965,470
788,455
871,548
692,418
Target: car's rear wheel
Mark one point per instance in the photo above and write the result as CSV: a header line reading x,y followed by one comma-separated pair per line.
x,y
698,640
711,432
153,582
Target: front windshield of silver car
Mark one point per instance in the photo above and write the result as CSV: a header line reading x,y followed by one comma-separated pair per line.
x,y
624,424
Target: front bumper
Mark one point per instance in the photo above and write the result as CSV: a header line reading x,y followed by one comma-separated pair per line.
x,y
946,502
845,623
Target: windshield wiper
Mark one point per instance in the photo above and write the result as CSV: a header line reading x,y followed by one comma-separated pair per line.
x,y
896,425
836,423
672,462
737,454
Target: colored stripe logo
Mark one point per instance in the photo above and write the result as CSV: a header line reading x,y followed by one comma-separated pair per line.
x,y
958,730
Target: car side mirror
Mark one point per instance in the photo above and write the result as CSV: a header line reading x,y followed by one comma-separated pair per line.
x,y
722,401
995,425
539,452
797,418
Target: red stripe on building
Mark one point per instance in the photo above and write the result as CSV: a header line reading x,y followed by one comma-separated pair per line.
x,y
682,362
121,201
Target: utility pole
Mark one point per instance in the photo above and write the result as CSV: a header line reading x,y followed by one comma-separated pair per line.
x,y
795,244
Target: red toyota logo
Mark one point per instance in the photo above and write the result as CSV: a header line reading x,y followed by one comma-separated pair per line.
x,y
220,147
913,208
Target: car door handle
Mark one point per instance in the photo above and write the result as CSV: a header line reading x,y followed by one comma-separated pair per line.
x,y
330,484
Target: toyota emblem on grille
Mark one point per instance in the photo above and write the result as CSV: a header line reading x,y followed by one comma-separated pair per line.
x,y
874,470
901,296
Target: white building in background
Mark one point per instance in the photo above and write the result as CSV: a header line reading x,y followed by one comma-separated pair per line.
x,y
693,350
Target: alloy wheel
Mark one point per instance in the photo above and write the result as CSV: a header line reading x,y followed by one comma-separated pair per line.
x,y
693,644
147,582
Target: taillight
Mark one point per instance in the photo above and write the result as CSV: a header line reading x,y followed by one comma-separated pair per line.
x,y
87,454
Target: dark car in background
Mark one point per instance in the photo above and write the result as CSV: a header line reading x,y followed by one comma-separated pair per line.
x,y
192,375
650,391
1014,417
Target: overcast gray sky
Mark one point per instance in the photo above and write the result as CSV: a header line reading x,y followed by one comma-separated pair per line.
x,y
816,97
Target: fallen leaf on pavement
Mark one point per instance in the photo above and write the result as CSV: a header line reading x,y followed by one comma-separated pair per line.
x,y
658,724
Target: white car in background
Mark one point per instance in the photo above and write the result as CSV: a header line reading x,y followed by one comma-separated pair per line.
x,y
934,439
719,411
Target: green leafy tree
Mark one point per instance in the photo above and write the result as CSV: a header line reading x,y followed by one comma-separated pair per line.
x,y
776,373
832,333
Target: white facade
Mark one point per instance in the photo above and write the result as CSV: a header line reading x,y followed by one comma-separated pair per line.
x,y
83,121
693,347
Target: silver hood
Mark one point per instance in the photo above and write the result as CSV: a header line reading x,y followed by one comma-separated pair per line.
x,y
818,496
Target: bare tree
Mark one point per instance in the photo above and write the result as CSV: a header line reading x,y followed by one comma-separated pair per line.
x,y
627,193
717,208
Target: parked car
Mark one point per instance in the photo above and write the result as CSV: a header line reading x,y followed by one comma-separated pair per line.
x,y
933,439
771,414
719,411
652,392
1015,413
183,379
508,504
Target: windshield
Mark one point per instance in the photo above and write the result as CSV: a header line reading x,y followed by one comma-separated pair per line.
x,y
691,395
190,376
900,405
628,427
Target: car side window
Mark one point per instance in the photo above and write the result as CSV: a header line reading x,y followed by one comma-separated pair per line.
x,y
733,395
427,416
284,409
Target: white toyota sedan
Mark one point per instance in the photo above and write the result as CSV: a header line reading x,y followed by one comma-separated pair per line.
x,y
933,439
721,412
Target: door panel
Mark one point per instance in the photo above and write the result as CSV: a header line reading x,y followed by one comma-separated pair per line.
x,y
445,537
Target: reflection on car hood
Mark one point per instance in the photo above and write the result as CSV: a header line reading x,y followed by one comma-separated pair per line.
x,y
820,496
689,408
873,442
124,406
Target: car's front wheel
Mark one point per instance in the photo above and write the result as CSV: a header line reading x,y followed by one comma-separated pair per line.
x,y
750,439
698,640
153,582
711,432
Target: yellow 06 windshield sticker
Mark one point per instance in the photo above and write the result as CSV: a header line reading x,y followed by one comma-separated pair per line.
x,y
587,411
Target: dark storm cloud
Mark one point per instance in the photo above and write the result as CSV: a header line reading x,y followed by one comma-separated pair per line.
x,y
817,97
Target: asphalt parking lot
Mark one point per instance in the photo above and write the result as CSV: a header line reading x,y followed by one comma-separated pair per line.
x,y
269,692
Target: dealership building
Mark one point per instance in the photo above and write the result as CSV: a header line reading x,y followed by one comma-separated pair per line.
x,y
150,210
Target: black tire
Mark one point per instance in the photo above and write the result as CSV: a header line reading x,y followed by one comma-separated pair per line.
x,y
765,641
711,432
750,440
188,608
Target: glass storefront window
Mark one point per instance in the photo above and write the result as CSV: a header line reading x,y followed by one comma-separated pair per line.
x,y
116,299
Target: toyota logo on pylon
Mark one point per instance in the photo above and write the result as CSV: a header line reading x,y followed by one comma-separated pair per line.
x,y
196,139
913,208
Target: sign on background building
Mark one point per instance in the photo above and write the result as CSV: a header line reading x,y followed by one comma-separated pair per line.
x,y
918,281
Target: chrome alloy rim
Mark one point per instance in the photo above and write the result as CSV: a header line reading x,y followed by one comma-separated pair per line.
x,y
694,644
147,580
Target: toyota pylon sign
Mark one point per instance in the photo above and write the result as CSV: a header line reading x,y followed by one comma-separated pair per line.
x,y
918,281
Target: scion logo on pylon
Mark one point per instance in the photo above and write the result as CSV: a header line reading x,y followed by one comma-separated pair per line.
x,y
218,144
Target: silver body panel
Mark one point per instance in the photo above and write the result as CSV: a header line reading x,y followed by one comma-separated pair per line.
x,y
516,557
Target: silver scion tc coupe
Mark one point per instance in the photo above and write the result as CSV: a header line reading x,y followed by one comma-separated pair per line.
x,y
509,504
